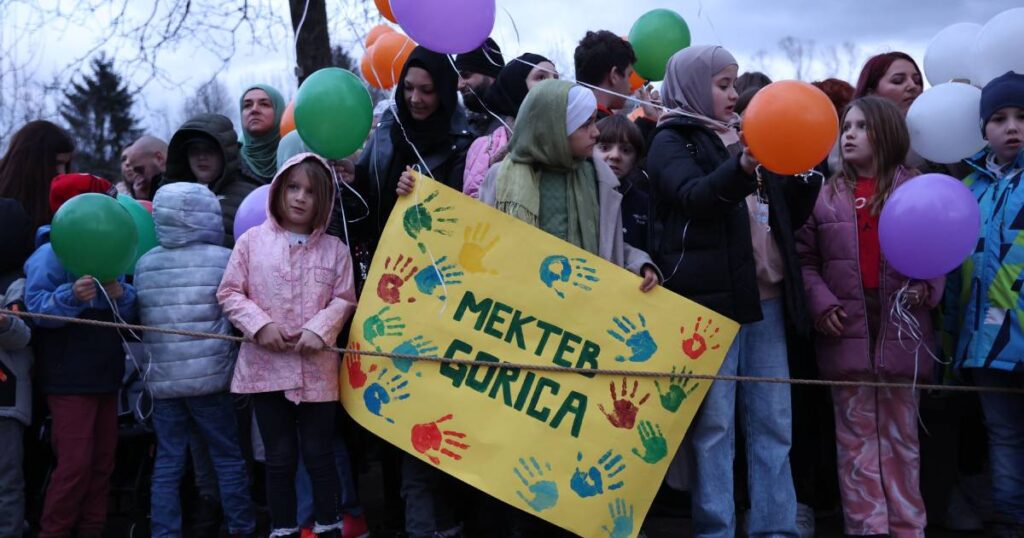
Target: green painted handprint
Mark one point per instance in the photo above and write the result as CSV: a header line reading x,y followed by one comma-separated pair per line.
x,y
377,326
418,219
655,447
677,391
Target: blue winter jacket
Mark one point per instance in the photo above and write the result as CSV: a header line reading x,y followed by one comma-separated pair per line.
x,y
73,358
985,303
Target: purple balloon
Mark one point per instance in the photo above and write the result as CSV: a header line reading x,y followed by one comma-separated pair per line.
x,y
253,210
929,226
446,26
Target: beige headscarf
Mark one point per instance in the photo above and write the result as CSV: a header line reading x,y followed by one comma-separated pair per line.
x,y
687,87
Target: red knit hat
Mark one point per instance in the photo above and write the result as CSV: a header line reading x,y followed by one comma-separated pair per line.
x,y
66,186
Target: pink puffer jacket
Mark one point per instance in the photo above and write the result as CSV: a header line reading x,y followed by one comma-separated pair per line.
x,y
828,250
308,286
479,159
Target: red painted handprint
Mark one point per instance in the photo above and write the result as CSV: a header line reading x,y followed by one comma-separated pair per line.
x,y
389,287
624,410
354,364
427,438
700,340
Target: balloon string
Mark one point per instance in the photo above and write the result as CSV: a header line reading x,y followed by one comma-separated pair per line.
x,y
128,350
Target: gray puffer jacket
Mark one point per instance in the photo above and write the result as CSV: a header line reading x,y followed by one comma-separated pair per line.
x,y
177,286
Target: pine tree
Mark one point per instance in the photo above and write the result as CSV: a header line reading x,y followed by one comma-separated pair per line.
x,y
98,112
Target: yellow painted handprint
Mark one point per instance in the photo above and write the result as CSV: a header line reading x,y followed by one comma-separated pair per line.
x,y
475,247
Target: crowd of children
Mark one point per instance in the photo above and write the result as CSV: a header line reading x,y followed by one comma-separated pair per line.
x,y
670,192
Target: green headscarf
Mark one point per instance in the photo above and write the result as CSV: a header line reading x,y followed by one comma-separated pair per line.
x,y
540,146
260,152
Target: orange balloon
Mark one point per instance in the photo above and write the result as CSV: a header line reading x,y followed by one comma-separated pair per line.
x,y
388,56
288,118
790,126
376,32
384,6
636,82
367,71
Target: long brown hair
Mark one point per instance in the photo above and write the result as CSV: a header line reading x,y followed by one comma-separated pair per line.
x,y
323,189
890,142
30,164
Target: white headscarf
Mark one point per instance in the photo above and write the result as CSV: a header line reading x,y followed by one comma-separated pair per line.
x,y
581,105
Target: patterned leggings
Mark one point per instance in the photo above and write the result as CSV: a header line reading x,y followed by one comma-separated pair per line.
x,y
879,461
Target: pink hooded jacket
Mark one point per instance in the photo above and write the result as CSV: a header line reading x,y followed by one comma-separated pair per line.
x,y
830,256
307,286
479,159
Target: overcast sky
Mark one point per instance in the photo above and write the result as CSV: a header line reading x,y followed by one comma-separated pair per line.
x,y
550,27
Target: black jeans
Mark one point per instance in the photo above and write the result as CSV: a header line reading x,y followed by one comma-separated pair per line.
x,y
281,422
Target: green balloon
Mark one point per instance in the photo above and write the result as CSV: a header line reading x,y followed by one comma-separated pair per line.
x,y
93,235
333,113
143,224
656,36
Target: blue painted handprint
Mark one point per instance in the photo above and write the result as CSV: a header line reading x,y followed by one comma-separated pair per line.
x,y
418,346
591,482
622,521
384,391
639,340
434,278
543,493
561,269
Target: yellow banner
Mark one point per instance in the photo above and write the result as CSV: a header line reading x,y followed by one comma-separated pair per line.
x,y
456,278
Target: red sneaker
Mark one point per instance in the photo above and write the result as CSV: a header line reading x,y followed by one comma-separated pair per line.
x,y
354,527
306,533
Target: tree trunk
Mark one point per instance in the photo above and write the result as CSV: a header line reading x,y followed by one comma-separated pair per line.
x,y
313,49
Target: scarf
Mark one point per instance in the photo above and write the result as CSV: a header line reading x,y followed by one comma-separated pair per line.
x,y
540,146
435,131
687,86
507,93
260,152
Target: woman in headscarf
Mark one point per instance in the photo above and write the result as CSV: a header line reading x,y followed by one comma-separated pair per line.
x,y
426,129
261,109
724,238
503,99
550,180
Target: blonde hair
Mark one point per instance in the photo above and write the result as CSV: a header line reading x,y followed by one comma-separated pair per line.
x,y
322,183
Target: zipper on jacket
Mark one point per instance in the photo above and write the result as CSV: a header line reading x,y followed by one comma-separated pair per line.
x,y
863,296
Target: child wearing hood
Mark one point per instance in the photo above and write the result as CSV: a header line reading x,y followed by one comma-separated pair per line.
x,y
289,289
176,284
15,364
205,150
79,369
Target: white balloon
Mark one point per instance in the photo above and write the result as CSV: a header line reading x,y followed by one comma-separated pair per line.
x,y
949,55
1000,46
944,123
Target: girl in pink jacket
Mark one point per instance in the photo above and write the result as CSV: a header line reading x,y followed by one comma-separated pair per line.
x,y
851,293
289,288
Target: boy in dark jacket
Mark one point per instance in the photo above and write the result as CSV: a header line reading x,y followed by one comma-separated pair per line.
x,y
205,150
15,363
80,371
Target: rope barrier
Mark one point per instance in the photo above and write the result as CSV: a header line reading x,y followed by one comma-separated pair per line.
x,y
536,367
